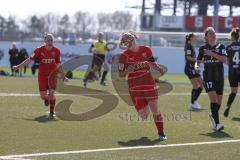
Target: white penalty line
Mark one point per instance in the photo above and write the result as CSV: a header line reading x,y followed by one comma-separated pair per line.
x,y
102,94
23,156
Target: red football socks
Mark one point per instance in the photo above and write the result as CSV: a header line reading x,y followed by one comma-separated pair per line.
x,y
158,119
52,105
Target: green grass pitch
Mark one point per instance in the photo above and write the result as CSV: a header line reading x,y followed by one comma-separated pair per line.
x,y
24,128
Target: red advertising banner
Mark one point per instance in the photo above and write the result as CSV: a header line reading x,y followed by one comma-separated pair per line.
x,y
198,22
228,22
202,22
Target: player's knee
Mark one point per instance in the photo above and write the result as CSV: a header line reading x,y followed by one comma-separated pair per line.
x,y
234,91
144,116
95,68
213,97
195,86
214,100
201,85
144,113
51,96
106,67
153,106
42,97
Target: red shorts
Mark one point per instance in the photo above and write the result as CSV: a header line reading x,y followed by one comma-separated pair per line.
x,y
141,95
45,83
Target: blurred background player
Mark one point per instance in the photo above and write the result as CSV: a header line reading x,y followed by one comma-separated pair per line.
x,y
34,67
213,55
22,56
233,52
99,50
49,61
194,77
135,63
13,58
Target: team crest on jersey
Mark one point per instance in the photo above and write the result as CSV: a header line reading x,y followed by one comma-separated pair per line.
x,y
144,55
42,54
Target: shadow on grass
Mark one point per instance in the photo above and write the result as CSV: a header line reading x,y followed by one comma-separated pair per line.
x,y
144,141
42,119
217,134
236,119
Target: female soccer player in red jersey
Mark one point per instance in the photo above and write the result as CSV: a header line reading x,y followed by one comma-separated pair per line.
x,y
135,63
49,62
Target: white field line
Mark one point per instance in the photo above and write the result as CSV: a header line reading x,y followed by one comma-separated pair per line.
x,y
116,94
102,94
23,156
14,158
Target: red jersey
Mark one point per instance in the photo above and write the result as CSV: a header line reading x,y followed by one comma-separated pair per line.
x,y
48,59
139,77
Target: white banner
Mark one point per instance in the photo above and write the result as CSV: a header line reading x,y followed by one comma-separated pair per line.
x,y
169,22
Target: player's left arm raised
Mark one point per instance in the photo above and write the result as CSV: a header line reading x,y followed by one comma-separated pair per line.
x,y
153,64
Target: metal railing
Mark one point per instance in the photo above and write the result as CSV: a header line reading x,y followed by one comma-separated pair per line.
x,y
166,39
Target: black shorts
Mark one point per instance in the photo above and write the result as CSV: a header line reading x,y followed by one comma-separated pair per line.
x,y
234,79
13,61
190,72
101,56
98,60
217,86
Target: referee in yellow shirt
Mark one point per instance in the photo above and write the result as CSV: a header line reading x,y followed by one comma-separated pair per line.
x,y
99,50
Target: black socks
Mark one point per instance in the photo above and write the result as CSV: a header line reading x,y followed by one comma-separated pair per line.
x,y
214,110
104,76
231,98
195,94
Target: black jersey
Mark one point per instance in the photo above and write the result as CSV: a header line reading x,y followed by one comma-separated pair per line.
x,y
213,68
189,51
233,51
